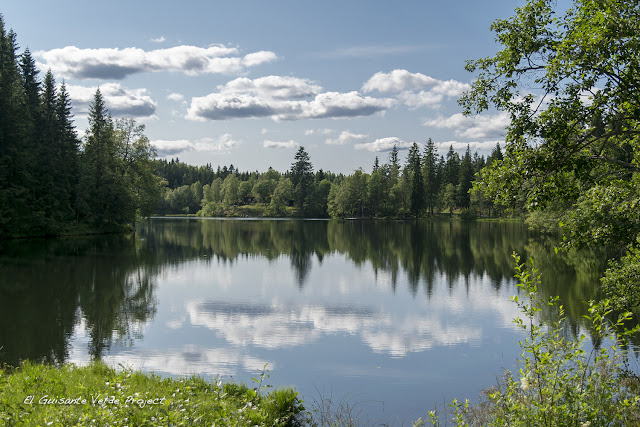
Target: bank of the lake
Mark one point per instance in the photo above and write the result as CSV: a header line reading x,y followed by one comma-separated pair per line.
x,y
39,395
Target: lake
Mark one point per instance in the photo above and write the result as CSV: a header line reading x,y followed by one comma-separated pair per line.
x,y
392,318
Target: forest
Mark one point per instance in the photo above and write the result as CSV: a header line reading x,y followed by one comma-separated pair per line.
x,y
424,185
51,181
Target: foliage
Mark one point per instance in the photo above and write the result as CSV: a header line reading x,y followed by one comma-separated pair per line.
x,y
49,183
559,383
574,142
134,398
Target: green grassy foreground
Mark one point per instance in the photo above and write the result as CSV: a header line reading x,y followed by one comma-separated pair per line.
x,y
42,395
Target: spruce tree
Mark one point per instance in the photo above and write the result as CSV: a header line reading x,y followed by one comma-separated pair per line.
x,y
302,180
16,201
430,175
464,180
102,192
414,166
68,172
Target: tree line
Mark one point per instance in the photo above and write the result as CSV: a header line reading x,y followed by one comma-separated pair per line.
x,y
426,184
51,181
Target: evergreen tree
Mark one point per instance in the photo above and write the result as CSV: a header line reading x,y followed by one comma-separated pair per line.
x,y
496,154
302,180
414,167
464,180
452,167
375,188
430,175
31,85
105,200
16,200
394,165
68,171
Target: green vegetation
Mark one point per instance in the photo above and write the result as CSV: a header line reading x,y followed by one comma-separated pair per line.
x,y
573,147
559,383
572,158
41,395
425,186
50,182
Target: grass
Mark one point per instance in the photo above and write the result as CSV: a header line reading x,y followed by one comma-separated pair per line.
x,y
44,395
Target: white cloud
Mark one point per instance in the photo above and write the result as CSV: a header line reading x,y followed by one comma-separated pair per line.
x,y
408,84
119,100
324,131
281,144
451,88
257,58
115,63
273,87
160,39
476,127
420,99
177,97
264,131
227,105
345,137
384,144
223,143
398,80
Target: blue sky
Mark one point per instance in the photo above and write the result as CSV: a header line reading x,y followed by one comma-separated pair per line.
x,y
247,82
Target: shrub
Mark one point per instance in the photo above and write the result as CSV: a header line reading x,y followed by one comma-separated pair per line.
x,y
559,383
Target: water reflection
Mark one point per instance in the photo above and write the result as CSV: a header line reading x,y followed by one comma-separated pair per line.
x,y
211,296
48,287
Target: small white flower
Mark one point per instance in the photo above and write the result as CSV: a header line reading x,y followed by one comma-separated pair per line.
x,y
524,383
585,424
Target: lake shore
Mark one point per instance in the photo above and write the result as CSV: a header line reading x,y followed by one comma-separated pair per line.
x,y
38,394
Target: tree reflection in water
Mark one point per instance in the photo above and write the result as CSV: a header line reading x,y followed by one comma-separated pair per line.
x,y
107,283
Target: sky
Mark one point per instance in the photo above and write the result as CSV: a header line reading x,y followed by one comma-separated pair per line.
x,y
249,82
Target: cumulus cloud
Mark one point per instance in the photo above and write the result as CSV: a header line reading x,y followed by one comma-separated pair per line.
x,y
160,39
398,80
411,87
281,144
177,97
272,87
227,105
257,58
345,137
120,101
384,144
476,127
170,148
115,63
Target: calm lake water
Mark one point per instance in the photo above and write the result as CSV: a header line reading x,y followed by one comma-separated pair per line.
x,y
393,318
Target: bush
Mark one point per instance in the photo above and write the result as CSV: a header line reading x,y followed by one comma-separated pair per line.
x,y
559,384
